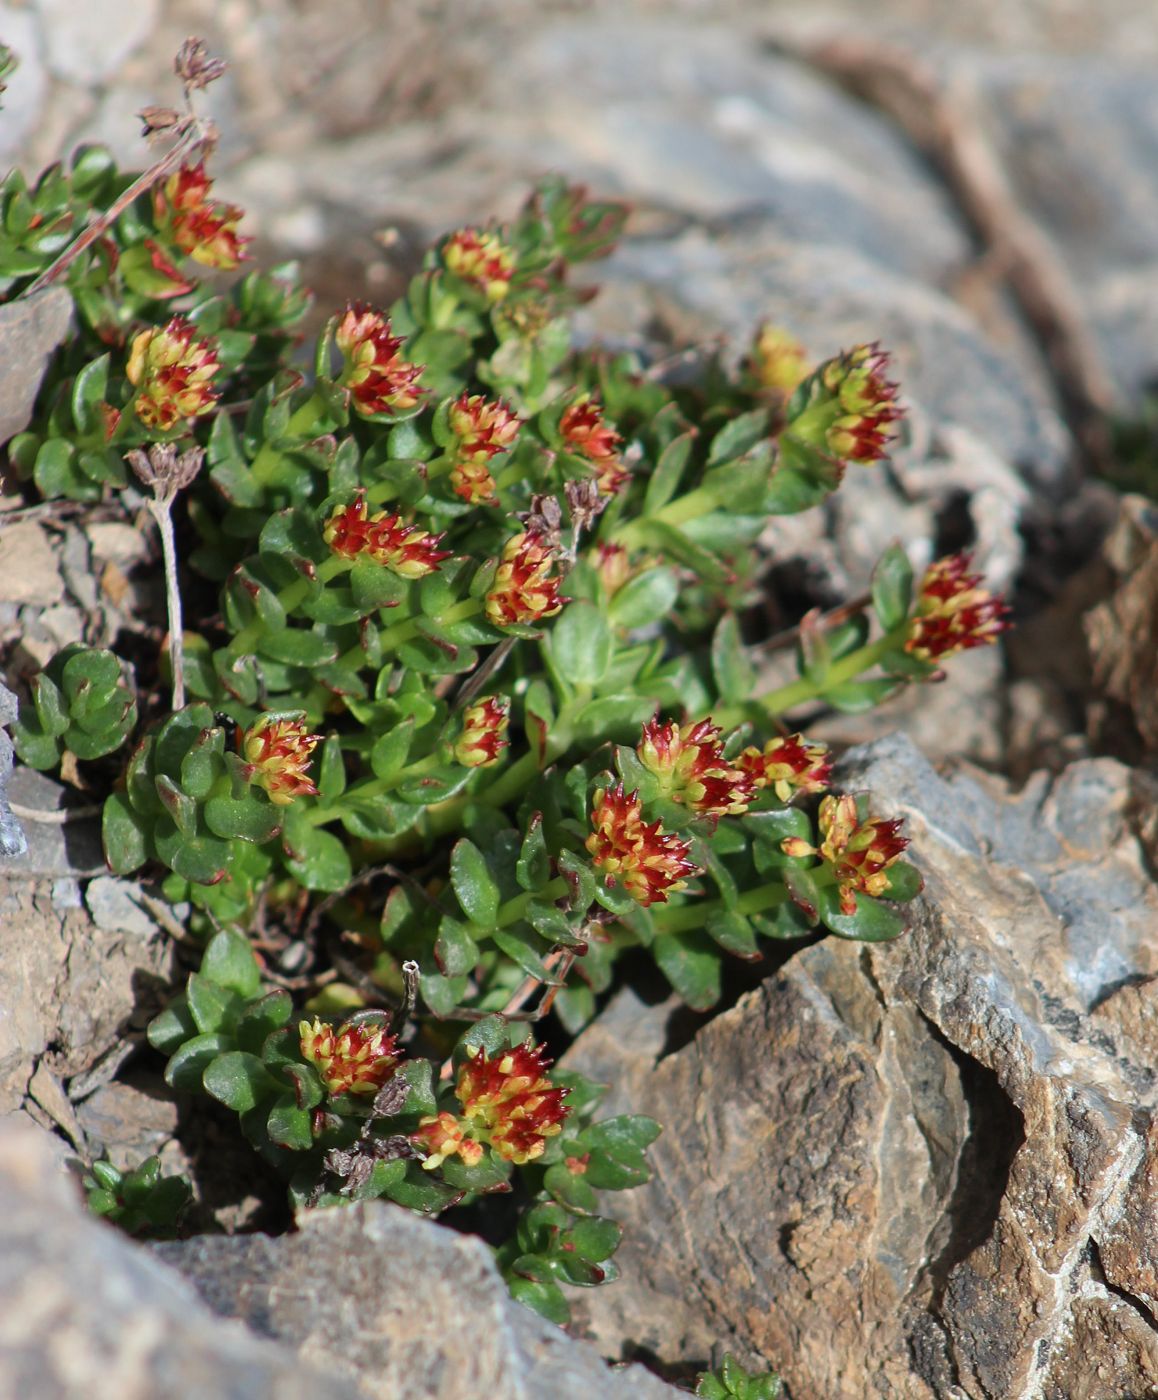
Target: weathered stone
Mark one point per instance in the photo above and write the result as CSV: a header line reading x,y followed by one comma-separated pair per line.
x,y
30,330
13,842
29,572
58,846
86,1313
892,1168
69,989
400,1306
89,43
1123,630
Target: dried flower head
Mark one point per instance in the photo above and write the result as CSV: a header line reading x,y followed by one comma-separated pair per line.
x,y
507,1102
194,66
587,435
484,725
853,408
777,361
481,259
524,590
277,755
380,381
358,1058
406,550
688,761
859,853
199,226
788,766
172,372
165,470
954,613
646,860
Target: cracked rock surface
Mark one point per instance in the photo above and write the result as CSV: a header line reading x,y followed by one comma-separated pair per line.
x,y
925,1169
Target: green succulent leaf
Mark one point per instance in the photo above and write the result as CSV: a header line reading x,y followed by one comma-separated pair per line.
x,y
892,587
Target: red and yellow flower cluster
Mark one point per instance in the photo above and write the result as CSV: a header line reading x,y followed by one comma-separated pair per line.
x,y
202,228
507,1102
868,404
482,259
358,1058
859,853
688,762
483,726
524,590
852,409
954,613
172,372
585,433
647,861
379,380
483,430
787,765
277,756
405,550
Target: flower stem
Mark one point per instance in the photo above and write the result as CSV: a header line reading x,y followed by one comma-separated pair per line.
x,y
269,458
702,501
161,508
514,909
289,597
803,689
687,916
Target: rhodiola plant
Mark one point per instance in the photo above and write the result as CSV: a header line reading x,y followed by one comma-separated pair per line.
x,y
471,709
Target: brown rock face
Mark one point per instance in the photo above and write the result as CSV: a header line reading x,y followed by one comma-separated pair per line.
x,y
925,1169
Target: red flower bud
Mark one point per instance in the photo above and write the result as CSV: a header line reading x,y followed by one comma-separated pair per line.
x,y
524,590
507,1102
481,259
199,226
954,613
483,725
406,550
646,860
586,434
172,372
689,762
788,766
358,1058
379,380
860,853
277,754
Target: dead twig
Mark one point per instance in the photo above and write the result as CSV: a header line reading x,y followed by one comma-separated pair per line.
x,y
56,816
190,131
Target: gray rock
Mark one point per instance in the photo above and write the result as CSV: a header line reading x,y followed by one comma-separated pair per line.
x,y
13,842
89,1314
58,847
30,330
86,44
27,87
928,1168
70,991
403,1308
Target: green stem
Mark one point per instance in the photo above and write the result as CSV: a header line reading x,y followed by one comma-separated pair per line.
x,y
289,597
514,909
269,458
702,501
405,631
801,690
374,787
686,916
